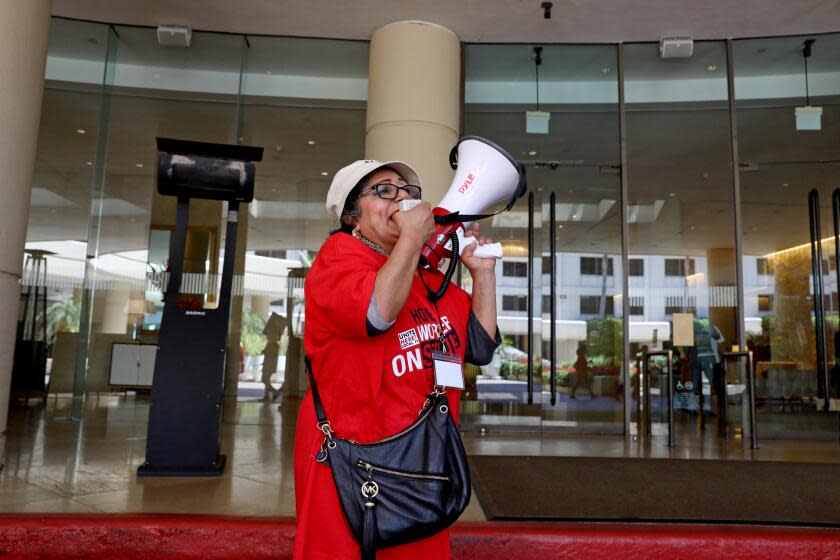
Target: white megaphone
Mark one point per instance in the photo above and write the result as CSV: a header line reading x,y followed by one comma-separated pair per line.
x,y
485,176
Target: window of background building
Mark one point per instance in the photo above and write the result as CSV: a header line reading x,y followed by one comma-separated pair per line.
x,y
763,267
677,267
765,302
637,306
515,269
636,267
591,305
595,266
680,304
514,303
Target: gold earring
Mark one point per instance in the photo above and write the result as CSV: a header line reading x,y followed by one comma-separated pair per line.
x,y
357,233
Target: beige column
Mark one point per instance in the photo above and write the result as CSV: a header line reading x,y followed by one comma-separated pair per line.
x,y
722,277
24,32
414,100
261,305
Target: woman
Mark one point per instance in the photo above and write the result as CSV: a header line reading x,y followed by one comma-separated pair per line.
x,y
369,331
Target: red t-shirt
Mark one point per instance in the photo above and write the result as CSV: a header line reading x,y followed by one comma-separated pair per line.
x,y
371,386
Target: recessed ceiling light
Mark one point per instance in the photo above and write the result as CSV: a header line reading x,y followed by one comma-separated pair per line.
x,y
138,165
80,131
711,67
560,226
88,163
324,173
605,70
532,152
691,228
785,184
311,142
672,195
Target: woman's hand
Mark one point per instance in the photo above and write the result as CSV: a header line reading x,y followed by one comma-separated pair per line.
x,y
476,265
417,223
483,281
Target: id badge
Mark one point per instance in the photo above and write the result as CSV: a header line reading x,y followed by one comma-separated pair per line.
x,y
448,371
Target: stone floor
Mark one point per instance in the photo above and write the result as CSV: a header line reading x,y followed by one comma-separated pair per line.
x,y
54,464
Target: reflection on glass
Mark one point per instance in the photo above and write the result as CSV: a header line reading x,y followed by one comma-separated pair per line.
x,y
682,277
574,165
780,164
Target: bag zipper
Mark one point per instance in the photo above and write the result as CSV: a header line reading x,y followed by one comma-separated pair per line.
x,y
423,415
371,468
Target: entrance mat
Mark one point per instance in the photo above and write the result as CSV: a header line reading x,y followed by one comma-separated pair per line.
x,y
574,488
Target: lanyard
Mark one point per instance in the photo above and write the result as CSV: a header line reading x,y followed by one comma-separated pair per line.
x,y
441,335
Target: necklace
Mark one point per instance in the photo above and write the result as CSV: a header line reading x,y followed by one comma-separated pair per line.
x,y
358,235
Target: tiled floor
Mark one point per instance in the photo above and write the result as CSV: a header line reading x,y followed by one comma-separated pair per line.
x,y
53,464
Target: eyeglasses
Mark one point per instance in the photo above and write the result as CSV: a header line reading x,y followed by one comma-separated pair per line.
x,y
390,191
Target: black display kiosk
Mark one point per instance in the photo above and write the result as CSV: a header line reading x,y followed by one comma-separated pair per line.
x,y
186,402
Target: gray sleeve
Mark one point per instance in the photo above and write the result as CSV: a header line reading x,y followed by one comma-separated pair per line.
x,y
374,322
480,346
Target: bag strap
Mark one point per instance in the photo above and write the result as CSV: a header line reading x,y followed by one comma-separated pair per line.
x,y
316,398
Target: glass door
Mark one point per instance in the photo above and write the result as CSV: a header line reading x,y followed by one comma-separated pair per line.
x,y
791,303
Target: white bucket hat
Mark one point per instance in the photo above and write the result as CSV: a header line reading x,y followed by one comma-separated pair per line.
x,y
348,177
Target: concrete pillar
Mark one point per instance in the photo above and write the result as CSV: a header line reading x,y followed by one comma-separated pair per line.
x,y
115,310
24,33
414,100
261,305
721,272
793,338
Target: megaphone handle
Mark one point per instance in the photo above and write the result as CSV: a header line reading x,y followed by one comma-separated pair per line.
x,y
450,271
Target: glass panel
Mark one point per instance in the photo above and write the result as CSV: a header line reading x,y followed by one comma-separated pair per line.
x,y
60,205
576,166
680,210
780,164
158,92
305,102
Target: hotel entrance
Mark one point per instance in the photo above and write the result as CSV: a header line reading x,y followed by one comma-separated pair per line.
x,y
644,259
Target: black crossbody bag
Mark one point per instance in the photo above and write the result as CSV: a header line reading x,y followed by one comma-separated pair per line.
x,y
403,488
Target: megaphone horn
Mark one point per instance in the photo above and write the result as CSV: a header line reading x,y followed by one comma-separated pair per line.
x,y
485,175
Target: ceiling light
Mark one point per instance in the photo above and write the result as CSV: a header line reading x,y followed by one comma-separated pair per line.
x,y
807,117
532,152
605,70
88,163
672,195
711,67
676,47
138,165
174,35
560,226
536,122
785,184
80,130
324,173
311,142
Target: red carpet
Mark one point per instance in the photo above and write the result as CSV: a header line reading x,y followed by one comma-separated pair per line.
x,y
154,537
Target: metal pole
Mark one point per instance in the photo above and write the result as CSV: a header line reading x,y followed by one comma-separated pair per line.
x,y
736,195
750,384
639,423
625,243
530,298
670,392
819,312
553,297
